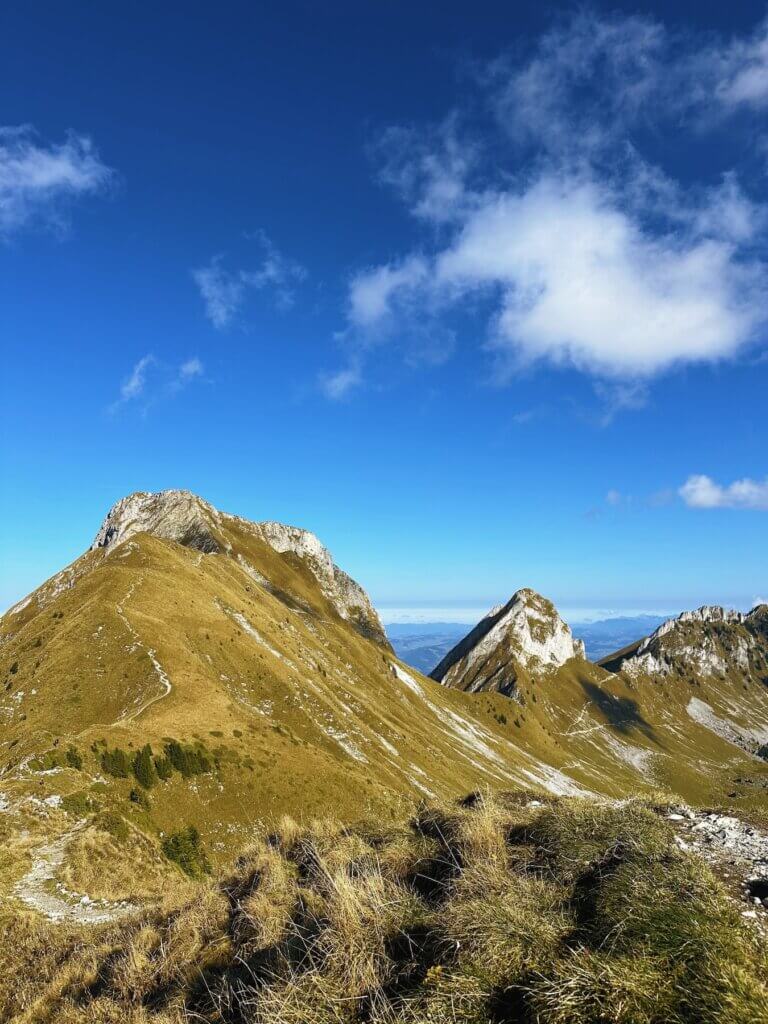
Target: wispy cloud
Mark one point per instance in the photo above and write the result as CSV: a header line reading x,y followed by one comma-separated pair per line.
x,y
588,253
341,383
38,180
191,368
526,416
741,70
188,371
617,396
700,491
150,379
225,291
134,384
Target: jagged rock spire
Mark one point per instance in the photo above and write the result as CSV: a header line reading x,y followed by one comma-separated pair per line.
x,y
526,632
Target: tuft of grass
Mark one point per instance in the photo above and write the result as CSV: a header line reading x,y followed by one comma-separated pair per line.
x,y
564,913
580,832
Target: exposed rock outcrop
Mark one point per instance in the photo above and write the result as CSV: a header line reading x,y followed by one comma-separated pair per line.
x,y
173,515
708,642
525,633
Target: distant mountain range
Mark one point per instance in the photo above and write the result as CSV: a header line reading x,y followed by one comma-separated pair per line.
x,y
425,644
193,673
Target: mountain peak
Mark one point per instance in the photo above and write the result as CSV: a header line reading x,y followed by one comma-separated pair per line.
x,y
172,515
187,519
526,632
705,642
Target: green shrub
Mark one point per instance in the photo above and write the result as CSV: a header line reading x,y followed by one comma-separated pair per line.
x,y
74,758
138,796
78,804
116,762
49,759
144,768
185,848
163,767
189,760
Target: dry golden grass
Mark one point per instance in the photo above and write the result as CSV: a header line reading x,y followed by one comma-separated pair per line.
x,y
266,909
571,913
105,866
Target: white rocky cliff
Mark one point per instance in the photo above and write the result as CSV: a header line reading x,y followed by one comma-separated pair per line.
x,y
709,641
526,633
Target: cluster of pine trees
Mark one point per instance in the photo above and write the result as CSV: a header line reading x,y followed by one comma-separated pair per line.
x,y
147,769
185,848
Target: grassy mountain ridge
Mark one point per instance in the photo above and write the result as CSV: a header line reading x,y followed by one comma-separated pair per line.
x,y
195,670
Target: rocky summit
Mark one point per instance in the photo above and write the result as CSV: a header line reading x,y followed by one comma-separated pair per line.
x,y
525,635
709,642
183,517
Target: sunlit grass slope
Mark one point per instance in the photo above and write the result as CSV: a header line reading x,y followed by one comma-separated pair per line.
x,y
207,674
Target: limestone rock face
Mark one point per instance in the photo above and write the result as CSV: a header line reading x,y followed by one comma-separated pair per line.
x,y
172,515
349,598
708,642
525,633
185,518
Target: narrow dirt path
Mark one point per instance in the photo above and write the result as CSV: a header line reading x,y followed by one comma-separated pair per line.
x,y
39,890
162,675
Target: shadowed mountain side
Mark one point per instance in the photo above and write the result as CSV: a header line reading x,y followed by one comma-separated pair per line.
x,y
622,713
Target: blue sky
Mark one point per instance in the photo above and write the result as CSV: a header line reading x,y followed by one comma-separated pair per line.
x,y
478,297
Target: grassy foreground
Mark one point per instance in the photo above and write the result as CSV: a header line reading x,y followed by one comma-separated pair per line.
x,y
501,909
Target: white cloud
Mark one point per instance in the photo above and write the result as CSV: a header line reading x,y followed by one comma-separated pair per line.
x,y
188,371
700,491
613,66
742,70
619,396
593,76
614,497
191,368
339,384
133,385
224,292
38,180
371,291
142,386
577,280
586,254
428,169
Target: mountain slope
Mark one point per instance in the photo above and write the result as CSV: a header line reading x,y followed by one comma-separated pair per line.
x,y
196,669
714,664
680,729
